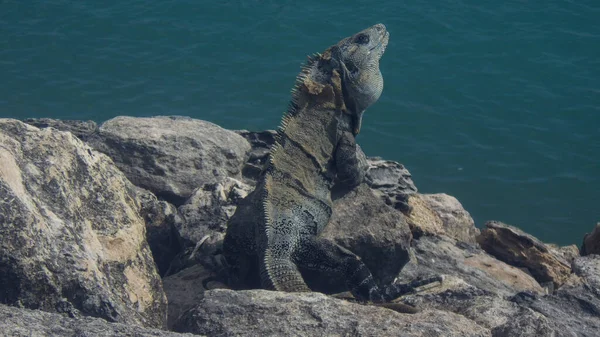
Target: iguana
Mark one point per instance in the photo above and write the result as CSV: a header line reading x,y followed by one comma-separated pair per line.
x,y
275,230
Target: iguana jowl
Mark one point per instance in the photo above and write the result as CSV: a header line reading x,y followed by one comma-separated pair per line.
x,y
276,228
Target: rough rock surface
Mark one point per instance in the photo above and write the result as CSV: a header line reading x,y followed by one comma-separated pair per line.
x,y
569,312
446,256
591,242
162,220
391,181
172,156
441,214
209,208
371,229
520,249
588,268
81,129
71,237
184,290
270,313
18,322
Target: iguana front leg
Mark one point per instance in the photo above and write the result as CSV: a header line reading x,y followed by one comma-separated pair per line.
x,y
350,161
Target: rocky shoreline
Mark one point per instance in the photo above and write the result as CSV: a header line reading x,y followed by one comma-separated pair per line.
x,y
100,226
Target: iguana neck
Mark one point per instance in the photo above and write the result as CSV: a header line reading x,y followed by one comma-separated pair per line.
x,y
319,87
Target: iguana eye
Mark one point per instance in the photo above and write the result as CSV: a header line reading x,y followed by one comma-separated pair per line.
x,y
362,39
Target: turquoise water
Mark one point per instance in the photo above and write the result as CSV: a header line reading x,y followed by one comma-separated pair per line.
x,y
494,102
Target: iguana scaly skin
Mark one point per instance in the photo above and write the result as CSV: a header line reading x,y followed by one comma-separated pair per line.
x,y
275,230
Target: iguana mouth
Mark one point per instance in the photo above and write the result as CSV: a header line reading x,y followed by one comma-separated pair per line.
x,y
383,42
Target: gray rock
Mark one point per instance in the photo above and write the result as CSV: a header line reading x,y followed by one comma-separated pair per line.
x,y
517,248
71,237
184,291
19,322
81,129
588,268
209,208
271,313
391,181
591,242
441,214
483,307
441,255
376,232
525,323
162,220
571,311
569,253
172,156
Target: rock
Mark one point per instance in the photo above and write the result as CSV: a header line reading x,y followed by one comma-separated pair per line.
x,y
80,129
517,248
184,290
271,313
572,311
441,214
441,255
162,221
19,322
591,242
172,156
569,253
391,181
522,314
71,236
588,268
526,323
371,229
483,307
209,208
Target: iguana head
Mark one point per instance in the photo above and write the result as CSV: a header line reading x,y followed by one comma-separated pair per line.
x,y
357,59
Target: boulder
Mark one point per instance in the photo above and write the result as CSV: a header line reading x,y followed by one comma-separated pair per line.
x,y
441,214
591,242
81,129
568,312
376,232
271,313
209,208
588,269
526,323
19,322
71,236
390,181
172,156
569,253
517,248
442,255
162,221
184,290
